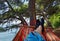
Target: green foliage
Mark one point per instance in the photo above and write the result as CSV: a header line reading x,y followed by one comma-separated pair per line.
x,y
55,20
57,24
22,9
39,4
16,2
1,29
14,26
52,10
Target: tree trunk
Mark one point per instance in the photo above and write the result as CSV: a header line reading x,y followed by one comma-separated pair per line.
x,y
32,12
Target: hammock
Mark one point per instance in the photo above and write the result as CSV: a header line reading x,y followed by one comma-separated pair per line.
x,y
48,35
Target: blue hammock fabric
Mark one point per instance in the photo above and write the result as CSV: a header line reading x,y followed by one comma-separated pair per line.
x,y
34,36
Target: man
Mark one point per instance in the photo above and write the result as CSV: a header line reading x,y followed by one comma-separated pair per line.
x,y
36,34
42,23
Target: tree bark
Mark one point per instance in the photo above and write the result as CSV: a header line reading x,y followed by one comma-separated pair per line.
x,y
32,12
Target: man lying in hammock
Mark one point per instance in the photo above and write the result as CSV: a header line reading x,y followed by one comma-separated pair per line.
x,y
36,34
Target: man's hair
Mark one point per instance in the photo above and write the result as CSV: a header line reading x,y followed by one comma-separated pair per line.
x,y
37,23
40,23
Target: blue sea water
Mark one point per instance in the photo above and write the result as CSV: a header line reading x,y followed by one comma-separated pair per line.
x,y
8,35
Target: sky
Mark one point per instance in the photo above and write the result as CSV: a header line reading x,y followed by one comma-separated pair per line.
x,y
26,2
5,10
